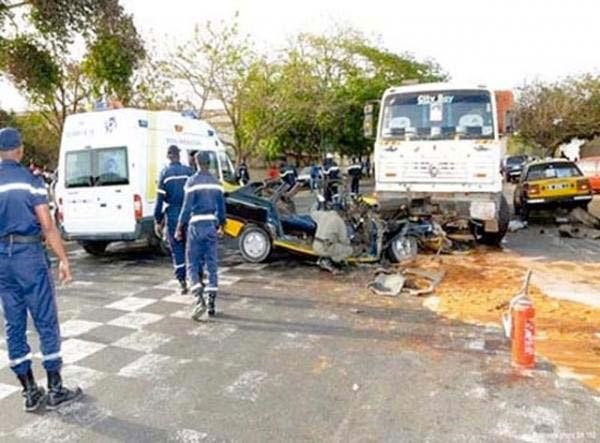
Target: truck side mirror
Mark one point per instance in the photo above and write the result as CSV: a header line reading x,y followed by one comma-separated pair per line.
x,y
369,119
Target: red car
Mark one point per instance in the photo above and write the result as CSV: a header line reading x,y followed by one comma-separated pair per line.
x,y
590,166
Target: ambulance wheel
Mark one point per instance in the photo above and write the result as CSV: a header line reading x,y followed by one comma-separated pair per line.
x,y
255,244
95,247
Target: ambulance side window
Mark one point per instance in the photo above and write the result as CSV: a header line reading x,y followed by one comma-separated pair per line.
x,y
214,165
226,168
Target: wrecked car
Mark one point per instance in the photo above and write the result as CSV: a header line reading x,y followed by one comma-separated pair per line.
x,y
263,217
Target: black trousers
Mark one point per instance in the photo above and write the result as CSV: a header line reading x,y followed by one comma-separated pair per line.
x,y
354,185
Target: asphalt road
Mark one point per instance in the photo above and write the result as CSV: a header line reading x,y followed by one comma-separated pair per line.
x,y
294,354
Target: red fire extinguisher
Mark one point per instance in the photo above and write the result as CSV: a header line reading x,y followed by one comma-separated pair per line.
x,y
520,328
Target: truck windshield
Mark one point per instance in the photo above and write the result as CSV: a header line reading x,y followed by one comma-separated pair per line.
x,y
438,115
96,167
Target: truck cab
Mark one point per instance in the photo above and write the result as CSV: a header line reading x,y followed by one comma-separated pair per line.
x,y
438,149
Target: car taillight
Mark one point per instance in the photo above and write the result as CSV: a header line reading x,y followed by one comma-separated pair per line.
x,y
137,207
532,189
583,185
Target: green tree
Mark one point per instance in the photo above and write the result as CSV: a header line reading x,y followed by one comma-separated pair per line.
x,y
549,114
37,58
324,82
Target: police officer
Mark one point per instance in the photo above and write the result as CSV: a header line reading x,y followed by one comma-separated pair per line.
x,y
170,191
242,174
331,174
203,214
288,174
26,282
355,173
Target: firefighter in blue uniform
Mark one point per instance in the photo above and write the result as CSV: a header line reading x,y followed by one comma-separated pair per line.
x,y
331,175
171,191
355,173
203,215
242,174
26,282
288,174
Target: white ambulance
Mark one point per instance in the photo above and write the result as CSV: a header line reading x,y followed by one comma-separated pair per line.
x,y
109,167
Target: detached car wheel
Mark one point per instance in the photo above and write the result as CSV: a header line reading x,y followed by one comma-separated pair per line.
x,y
95,247
255,244
402,248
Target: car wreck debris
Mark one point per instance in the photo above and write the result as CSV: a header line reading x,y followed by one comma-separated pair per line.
x,y
580,225
409,281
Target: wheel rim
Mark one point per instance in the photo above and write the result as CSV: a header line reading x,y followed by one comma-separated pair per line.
x,y
403,248
255,244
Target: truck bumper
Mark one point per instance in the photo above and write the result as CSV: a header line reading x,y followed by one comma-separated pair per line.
x,y
479,207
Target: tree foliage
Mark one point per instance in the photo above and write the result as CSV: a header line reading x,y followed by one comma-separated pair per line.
x,y
307,99
549,114
37,38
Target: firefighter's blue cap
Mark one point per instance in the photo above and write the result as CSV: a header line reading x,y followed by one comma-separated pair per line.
x,y
10,139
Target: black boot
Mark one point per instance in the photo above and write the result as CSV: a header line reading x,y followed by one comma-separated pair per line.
x,y
33,394
57,394
200,307
211,303
184,287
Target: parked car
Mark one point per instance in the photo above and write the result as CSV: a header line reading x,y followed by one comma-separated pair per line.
x,y
590,167
512,167
551,184
304,175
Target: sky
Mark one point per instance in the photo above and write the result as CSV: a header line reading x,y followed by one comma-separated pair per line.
x,y
500,43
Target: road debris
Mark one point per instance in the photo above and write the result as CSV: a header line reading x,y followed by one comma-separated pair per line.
x,y
580,215
516,225
410,281
579,232
579,224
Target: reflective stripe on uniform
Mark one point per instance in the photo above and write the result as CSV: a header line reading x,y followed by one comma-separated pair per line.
x,y
23,187
203,217
196,286
160,191
332,169
204,187
18,361
355,167
211,289
288,172
54,356
176,177
180,266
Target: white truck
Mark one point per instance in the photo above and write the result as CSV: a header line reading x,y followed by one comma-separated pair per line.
x,y
108,171
438,149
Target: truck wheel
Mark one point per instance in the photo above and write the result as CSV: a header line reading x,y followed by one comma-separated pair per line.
x,y
95,247
495,238
255,244
402,248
